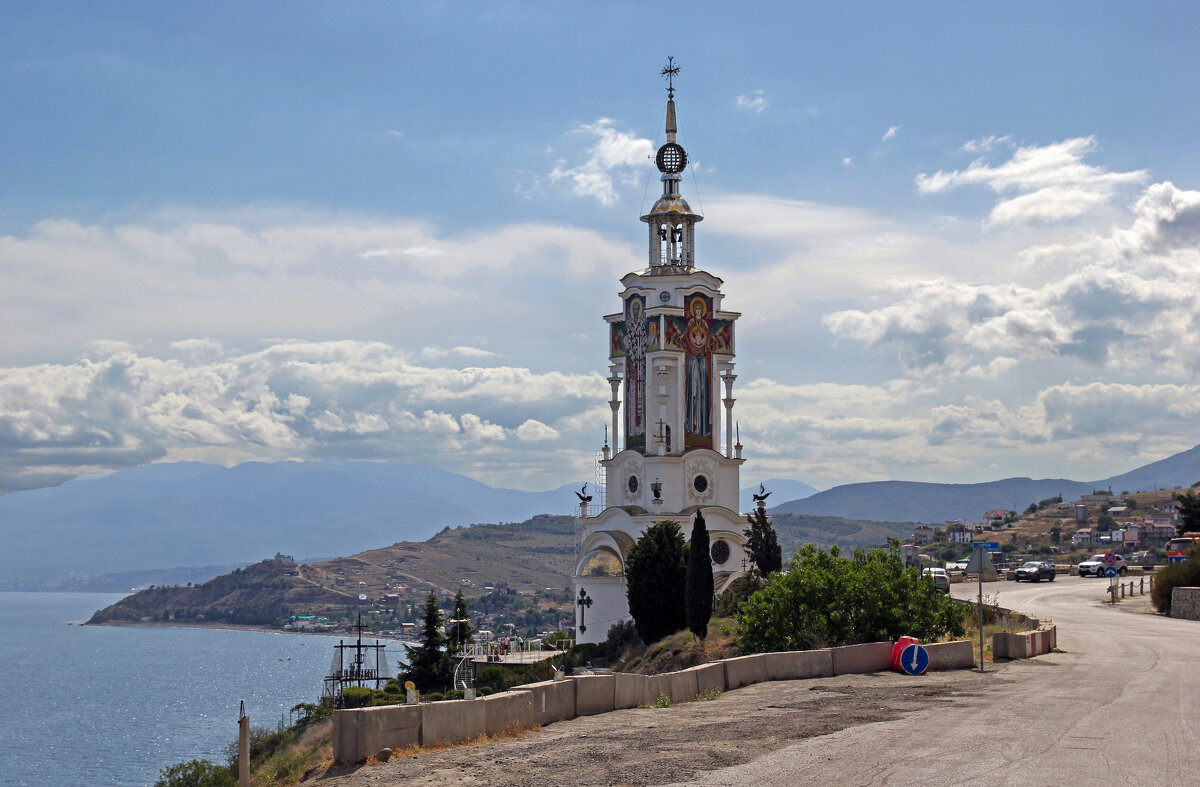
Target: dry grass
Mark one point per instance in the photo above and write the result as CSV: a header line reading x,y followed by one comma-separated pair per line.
x,y
680,651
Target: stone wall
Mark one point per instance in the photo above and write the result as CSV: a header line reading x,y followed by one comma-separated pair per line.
x,y
362,732
1185,603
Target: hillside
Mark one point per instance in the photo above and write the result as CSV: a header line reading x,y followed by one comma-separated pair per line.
x,y
938,503
530,558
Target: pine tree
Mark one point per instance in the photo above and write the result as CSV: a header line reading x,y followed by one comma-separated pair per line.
x,y
655,574
698,588
762,545
428,663
460,631
1189,513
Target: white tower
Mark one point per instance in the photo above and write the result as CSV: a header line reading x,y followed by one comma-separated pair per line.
x,y
671,352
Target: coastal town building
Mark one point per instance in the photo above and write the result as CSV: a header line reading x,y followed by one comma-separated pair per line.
x,y
674,448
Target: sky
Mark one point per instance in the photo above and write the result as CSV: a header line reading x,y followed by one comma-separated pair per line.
x,y
962,236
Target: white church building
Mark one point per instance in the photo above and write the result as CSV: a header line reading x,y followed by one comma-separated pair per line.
x,y
671,362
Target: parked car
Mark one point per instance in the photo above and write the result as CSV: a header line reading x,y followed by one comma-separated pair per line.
x,y
959,566
941,580
1095,566
1035,571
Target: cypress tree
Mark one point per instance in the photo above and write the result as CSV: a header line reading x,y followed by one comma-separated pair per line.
x,y
655,574
762,545
699,586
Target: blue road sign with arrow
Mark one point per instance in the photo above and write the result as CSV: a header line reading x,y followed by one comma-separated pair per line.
x,y
1110,572
914,660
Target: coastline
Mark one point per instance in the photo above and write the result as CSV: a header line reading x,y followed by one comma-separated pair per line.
x,y
237,627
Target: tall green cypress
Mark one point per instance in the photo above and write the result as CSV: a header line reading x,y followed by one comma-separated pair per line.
x,y
655,574
698,590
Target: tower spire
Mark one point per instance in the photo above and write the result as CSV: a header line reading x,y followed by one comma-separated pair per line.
x,y
672,223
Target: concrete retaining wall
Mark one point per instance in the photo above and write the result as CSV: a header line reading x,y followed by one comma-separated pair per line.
x,y
1185,603
680,686
452,721
507,710
1024,644
553,700
950,655
799,664
853,659
361,732
709,677
633,691
594,694
745,670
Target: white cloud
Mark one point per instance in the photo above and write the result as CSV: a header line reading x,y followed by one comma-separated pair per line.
x,y
848,161
890,134
984,144
359,400
1054,182
755,101
613,155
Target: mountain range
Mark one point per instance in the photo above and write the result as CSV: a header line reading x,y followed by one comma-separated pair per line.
x,y
194,514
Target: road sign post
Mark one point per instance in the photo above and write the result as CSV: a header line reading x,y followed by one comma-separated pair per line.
x,y
981,563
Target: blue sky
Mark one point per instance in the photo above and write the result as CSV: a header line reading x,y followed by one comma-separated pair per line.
x,y
963,237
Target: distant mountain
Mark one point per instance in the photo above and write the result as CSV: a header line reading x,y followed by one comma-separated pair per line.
x,y
904,501
193,514
780,489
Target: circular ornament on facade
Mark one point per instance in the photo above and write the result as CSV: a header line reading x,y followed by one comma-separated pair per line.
x,y
671,158
720,551
632,484
700,481
664,297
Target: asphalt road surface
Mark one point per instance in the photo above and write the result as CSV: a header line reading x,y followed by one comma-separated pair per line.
x,y
1120,706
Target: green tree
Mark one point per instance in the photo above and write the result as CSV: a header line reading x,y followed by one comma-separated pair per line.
x,y
460,630
655,572
428,663
762,545
698,587
1106,522
1055,534
196,773
825,599
1189,513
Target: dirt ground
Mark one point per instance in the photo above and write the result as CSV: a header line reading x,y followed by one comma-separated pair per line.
x,y
644,746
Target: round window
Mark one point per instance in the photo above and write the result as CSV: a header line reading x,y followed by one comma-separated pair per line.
x,y
720,552
632,484
700,484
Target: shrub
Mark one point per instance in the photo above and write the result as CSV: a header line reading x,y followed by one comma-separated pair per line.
x,y
621,637
196,773
355,697
1167,578
742,588
826,599
432,696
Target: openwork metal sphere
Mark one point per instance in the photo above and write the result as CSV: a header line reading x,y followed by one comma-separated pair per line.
x,y
671,158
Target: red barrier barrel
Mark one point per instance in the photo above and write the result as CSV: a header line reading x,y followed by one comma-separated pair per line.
x,y
898,648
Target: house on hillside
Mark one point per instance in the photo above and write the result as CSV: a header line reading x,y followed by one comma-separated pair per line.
x,y
922,534
959,532
995,515
1098,497
1118,511
1082,536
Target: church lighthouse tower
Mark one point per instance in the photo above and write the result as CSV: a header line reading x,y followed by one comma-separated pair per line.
x,y
671,357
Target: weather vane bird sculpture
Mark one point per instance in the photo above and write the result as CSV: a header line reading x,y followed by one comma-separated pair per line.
x,y
763,494
583,496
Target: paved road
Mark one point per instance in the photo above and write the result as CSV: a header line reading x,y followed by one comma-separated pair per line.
x,y
1121,706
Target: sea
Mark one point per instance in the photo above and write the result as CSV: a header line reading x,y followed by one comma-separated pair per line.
x,y
92,705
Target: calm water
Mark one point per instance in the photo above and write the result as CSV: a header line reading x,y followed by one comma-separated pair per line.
x,y
113,705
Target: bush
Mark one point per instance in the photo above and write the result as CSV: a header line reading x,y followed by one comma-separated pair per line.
x,y
196,773
432,696
828,600
621,637
742,588
1175,575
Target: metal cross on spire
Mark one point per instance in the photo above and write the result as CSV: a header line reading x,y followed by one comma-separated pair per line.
x,y
670,71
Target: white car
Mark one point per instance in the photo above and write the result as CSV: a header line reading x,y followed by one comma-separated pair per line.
x,y
1095,566
941,580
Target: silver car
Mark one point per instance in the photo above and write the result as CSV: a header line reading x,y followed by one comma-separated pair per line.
x,y
941,580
